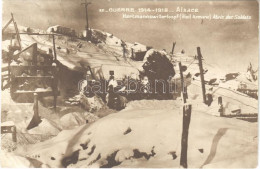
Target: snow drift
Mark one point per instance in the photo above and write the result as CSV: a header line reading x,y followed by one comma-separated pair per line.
x,y
151,137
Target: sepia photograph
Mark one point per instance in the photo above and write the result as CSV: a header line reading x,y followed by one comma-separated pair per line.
x,y
129,84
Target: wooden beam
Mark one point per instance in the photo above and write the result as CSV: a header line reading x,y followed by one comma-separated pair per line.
x,y
26,33
33,77
16,55
32,67
17,32
3,29
201,75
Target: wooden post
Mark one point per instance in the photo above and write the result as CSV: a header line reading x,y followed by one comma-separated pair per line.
x,y
55,87
54,48
17,32
86,7
185,122
36,106
182,83
10,55
36,118
92,74
34,59
34,54
185,133
14,134
201,75
221,109
124,51
173,46
219,100
132,50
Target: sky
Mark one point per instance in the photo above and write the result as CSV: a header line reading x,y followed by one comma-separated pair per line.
x,y
231,44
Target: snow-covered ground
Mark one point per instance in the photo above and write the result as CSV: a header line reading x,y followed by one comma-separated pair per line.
x,y
148,134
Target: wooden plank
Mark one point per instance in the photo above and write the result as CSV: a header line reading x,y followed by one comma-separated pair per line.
x,y
17,70
34,77
39,67
38,34
31,91
47,68
241,115
41,93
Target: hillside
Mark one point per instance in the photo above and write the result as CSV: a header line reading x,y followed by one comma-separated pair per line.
x,y
147,132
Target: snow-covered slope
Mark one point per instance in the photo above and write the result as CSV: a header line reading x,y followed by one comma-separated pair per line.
x,y
150,137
